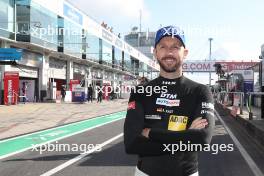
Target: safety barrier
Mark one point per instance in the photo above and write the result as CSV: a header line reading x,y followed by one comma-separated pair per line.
x,y
14,98
249,103
235,99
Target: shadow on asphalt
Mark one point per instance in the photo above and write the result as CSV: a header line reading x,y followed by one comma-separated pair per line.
x,y
46,158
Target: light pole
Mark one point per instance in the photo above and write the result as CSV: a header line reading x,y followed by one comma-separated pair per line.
x,y
210,58
140,26
262,80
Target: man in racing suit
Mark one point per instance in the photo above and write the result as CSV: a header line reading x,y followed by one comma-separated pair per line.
x,y
180,113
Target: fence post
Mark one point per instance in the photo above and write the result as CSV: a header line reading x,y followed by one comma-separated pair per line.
x,y
241,103
250,115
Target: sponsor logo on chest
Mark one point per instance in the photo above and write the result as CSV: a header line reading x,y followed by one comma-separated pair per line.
x,y
167,102
169,82
169,111
169,96
153,117
177,123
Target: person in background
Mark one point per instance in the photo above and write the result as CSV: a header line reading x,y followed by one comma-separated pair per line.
x,y
99,95
143,80
63,93
184,113
24,92
90,93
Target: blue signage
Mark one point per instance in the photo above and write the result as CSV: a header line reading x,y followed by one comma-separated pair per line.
x,y
248,86
72,14
10,54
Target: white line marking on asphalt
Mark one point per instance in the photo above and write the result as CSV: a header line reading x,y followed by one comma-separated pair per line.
x,y
244,153
72,134
53,128
79,157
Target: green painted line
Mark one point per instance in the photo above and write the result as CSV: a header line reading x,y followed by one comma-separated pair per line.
x,y
24,142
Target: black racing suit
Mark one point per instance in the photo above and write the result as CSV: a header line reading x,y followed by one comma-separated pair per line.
x,y
168,115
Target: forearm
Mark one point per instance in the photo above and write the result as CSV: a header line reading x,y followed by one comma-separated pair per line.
x,y
193,136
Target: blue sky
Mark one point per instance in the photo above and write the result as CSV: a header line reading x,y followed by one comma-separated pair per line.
x,y
236,26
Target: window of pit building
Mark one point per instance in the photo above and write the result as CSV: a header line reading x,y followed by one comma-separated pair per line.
x,y
7,18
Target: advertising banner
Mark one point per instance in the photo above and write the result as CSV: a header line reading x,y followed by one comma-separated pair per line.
x,y
208,66
11,87
10,54
78,94
230,66
74,83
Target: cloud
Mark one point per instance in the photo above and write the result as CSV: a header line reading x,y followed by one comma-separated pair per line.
x,y
235,51
226,50
114,9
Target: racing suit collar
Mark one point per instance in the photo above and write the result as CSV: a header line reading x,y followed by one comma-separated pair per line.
x,y
175,79
168,81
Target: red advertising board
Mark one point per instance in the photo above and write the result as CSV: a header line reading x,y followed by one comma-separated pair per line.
x,y
229,66
206,66
74,82
106,91
11,87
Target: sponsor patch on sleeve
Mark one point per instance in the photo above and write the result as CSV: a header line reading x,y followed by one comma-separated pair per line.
x,y
207,112
207,105
131,105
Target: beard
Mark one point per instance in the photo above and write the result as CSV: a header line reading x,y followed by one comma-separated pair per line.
x,y
172,66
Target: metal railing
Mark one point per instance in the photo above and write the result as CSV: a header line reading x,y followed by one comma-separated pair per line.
x,y
14,98
249,103
227,99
